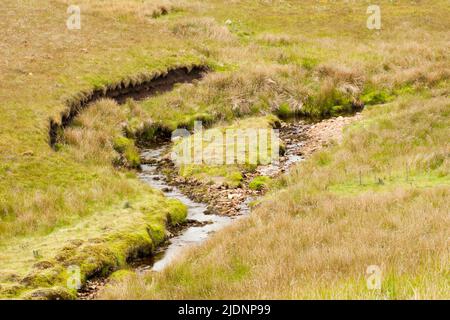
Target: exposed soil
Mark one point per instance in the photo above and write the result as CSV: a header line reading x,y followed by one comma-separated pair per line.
x,y
123,91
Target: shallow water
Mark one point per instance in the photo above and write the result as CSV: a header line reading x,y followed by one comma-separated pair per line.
x,y
190,236
194,235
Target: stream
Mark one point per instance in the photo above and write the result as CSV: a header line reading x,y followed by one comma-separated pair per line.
x,y
192,235
205,224
300,139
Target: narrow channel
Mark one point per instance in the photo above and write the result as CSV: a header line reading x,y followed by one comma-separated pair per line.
x,y
205,224
192,235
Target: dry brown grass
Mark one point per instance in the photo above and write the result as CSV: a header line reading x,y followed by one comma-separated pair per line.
x,y
307,248
143,10
206,29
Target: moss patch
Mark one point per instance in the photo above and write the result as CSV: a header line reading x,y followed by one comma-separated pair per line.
x,y
129,152
110,240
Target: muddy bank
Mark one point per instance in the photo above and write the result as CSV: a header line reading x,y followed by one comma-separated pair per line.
x,y
120,92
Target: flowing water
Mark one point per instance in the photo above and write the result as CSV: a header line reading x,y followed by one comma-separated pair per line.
x,y
206,223
192,235
200,225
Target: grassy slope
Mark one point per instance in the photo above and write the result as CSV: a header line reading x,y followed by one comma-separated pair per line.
x,y
46,63
308,55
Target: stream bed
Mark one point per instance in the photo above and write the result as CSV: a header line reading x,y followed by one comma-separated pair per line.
x,y
204,225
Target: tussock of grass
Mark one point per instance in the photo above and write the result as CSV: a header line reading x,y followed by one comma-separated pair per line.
x,y
92,132
127,149
202,27
127,9
259,183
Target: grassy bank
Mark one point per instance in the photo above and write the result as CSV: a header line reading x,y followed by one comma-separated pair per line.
x,y
47,198
284,58
38,266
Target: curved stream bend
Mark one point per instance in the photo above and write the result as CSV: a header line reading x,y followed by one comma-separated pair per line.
x,y
205,224
300,138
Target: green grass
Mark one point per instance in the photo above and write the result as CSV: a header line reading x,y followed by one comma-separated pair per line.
x,y
127,148
98,245
389,183
259,183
